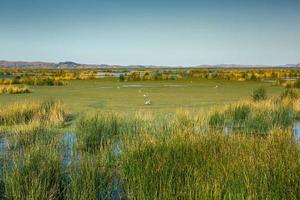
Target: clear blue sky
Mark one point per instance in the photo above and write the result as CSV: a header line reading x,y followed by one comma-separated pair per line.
x,y
158,32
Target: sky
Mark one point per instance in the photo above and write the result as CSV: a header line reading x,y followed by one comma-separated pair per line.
x,y
152,32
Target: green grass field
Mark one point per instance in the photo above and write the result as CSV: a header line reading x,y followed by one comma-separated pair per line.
x,y
166,96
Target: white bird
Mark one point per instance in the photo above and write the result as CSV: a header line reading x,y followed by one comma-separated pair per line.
x,y
216,86
145,95
148,102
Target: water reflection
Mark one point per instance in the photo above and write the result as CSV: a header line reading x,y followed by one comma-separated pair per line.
x,y
69,140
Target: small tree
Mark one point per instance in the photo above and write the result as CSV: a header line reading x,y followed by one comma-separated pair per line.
x,y
259,94
122,77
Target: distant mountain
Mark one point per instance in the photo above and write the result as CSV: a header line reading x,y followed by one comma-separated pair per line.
x,y
291,65
73,65
68,64
22,64
62,65
226,66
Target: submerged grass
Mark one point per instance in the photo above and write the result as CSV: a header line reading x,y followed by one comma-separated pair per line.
x,y
256,117
97,130
36,174
29,134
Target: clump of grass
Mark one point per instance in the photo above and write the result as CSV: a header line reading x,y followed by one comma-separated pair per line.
x,y
290,93
12,89
259,94
47,112
183,120
254,117
43,81
293,84
35,81
216,119
36,174
238,114
98,130
91,178
25,135
214,166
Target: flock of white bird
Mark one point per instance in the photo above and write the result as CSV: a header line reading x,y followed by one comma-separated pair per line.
x,y
148,101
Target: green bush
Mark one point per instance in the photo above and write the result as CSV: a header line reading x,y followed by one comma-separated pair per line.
x,y
216,119
259,94
122,77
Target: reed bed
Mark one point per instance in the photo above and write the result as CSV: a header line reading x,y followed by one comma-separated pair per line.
x,y
48,112
25,135
213,166
91,178
37,173
256,117
152,156
35,81
12,89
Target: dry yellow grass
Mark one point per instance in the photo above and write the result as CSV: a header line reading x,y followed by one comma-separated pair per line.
x,y
13,89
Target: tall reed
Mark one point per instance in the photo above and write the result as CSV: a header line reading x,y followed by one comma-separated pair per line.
x,y
214,166
255,117
37,173
48,112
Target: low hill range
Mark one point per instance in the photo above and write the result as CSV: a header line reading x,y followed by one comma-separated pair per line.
x,y
74,65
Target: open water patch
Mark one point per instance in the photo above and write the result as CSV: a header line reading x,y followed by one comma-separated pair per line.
x,y
296,132
132,86
170,85
3,147
68,151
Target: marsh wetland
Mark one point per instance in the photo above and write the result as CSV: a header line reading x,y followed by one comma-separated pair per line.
x,y
198,138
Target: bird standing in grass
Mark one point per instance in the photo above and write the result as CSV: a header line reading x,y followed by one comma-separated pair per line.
x,y
148,102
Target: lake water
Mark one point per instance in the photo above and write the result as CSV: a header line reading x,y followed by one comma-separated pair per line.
x,y
297,132
109,74
7,76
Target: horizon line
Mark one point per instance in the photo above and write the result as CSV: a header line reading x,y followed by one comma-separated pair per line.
x,y
157,65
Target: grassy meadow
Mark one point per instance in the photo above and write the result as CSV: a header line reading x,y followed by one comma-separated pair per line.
x,y
166,96
198,139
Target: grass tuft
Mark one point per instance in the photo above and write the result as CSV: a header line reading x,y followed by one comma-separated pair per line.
x,y
12,89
